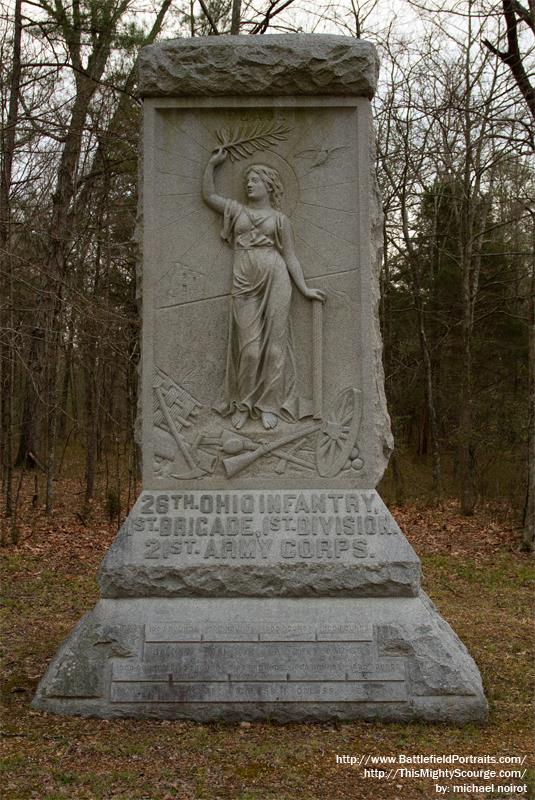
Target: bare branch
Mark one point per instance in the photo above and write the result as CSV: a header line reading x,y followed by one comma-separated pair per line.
x,y
208,16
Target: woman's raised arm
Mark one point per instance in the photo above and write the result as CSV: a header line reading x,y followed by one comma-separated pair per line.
x,y
209,194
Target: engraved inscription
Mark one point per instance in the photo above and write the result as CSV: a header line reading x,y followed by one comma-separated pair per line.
x,y
232,631
260,526
266,660
258,692
238,661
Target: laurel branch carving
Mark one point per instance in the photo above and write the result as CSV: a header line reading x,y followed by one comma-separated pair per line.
x,y
243,141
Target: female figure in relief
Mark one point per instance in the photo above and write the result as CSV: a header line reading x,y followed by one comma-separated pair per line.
x,y
260,379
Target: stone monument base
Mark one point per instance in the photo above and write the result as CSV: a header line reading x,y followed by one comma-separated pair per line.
x,y
287,659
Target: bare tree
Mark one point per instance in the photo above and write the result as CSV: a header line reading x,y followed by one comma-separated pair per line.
x,y
447,132
86,34
234,16
7,356
403,180
517,15
529,515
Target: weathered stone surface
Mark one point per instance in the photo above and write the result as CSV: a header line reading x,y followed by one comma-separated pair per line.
x,y
286,659
270,544
77,670
269,65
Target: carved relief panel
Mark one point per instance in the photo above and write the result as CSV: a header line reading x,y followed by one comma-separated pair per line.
x,y
252,295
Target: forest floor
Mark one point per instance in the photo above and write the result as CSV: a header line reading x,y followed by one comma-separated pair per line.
x,y
474,572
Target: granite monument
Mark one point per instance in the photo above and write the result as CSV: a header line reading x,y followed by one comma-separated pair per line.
x,y
259,574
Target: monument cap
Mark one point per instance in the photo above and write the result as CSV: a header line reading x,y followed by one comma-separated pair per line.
x,y
269,65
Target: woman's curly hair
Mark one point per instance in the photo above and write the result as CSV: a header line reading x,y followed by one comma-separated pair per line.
x,y
271,179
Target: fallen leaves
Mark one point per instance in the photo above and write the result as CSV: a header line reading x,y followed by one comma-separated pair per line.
x,y
443,529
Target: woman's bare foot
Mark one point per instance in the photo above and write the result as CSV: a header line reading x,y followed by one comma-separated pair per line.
x,y
238,419
269,420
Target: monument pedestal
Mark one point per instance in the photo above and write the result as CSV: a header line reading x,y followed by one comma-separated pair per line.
x,y
336,651
291,660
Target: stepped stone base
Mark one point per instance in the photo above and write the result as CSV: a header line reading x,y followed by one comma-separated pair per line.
x,y
258,658
253,605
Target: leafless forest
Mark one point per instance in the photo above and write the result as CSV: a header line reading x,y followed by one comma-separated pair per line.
x,y
455,115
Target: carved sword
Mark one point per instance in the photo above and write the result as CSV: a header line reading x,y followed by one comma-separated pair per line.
x,y
317,358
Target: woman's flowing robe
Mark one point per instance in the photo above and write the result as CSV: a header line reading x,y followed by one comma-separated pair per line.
x,y
260,371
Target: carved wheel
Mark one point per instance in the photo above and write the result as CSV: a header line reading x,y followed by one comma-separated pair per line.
x,y
338,434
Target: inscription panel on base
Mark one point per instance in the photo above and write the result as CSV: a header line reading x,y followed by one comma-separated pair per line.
x,y
238,663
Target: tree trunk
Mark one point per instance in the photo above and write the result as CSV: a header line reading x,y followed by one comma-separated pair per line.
x,y
235,21
90,421
466,218
467,494
31,403
66,381
7,351
429,388
529,521
467,490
